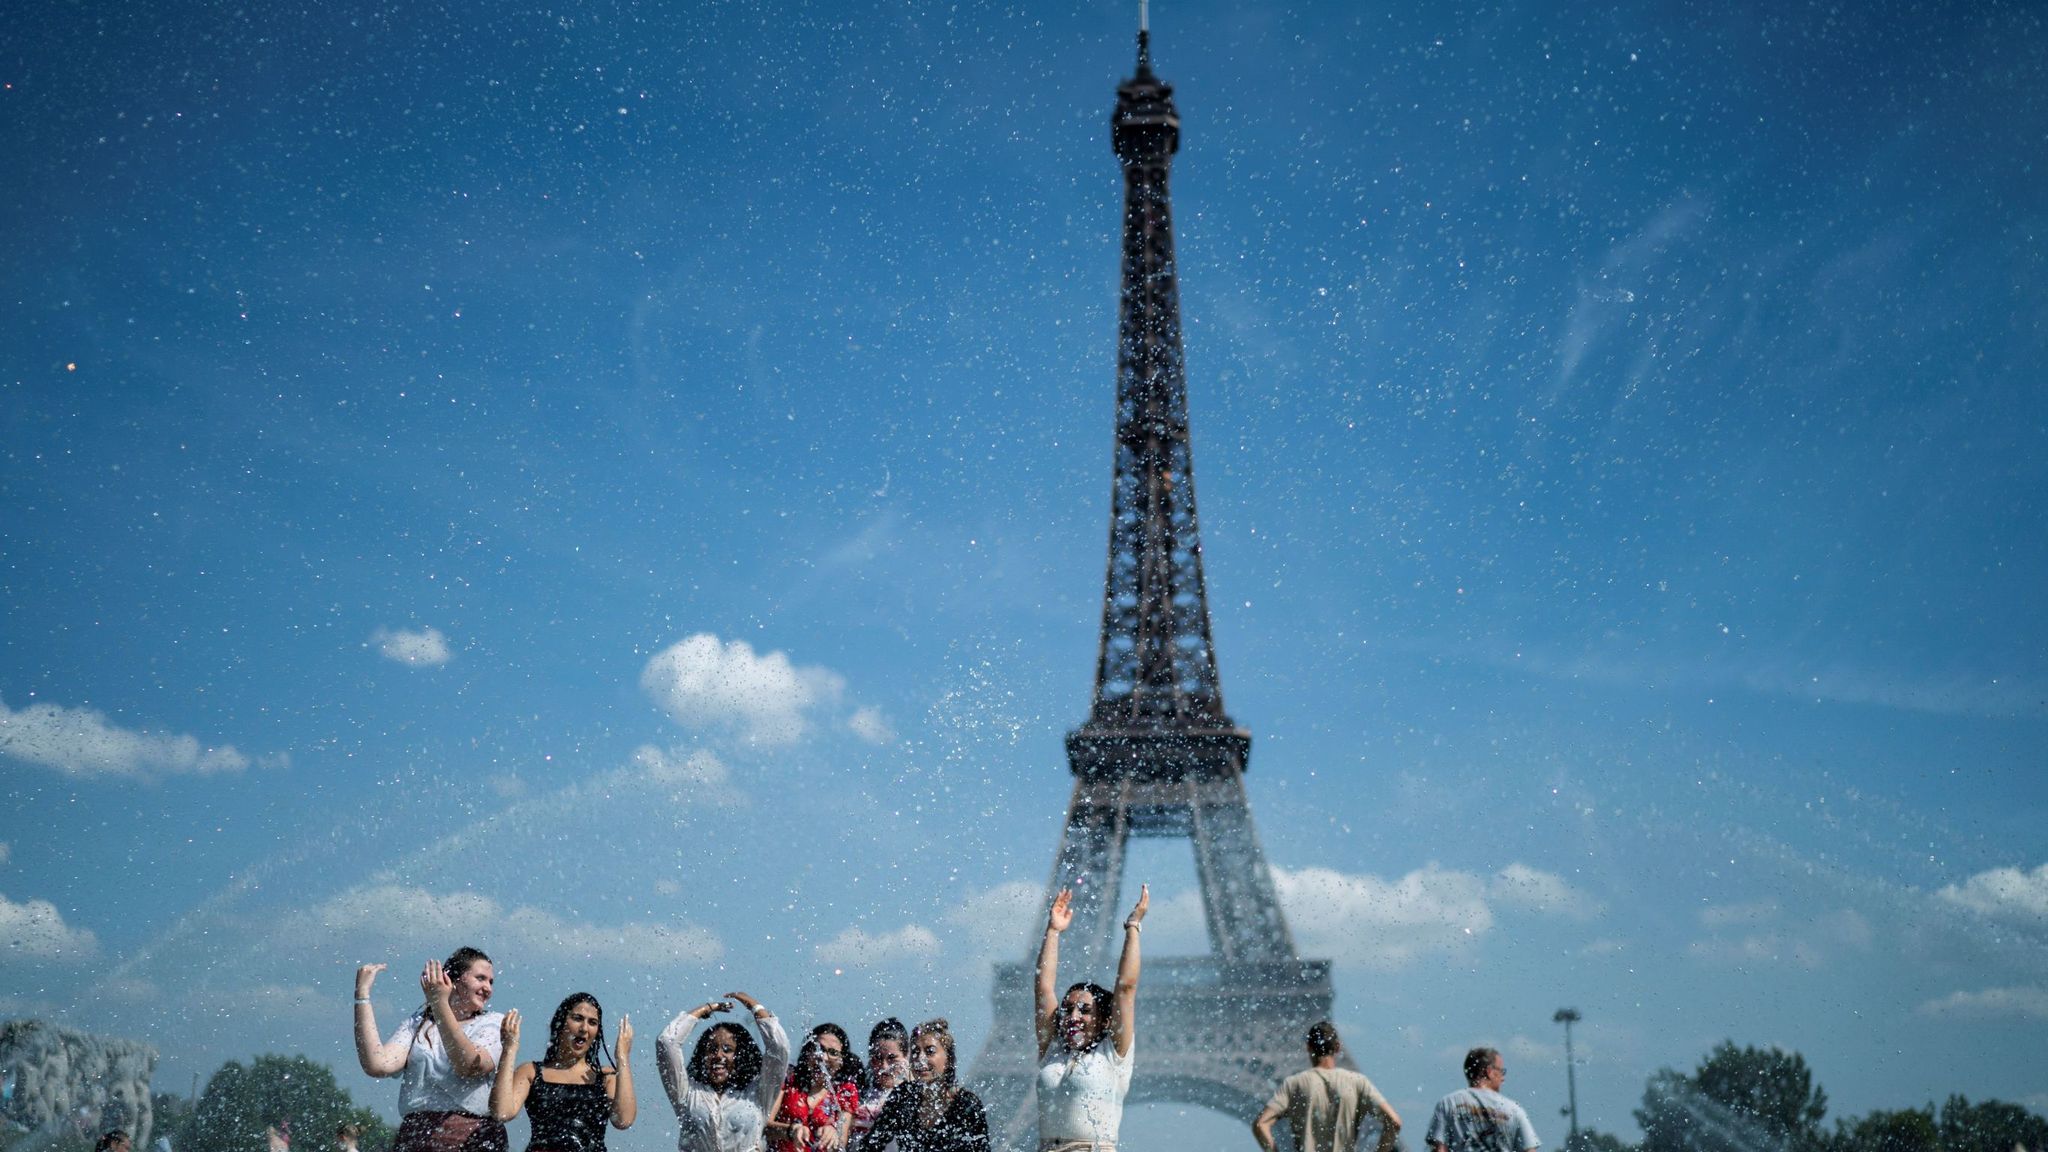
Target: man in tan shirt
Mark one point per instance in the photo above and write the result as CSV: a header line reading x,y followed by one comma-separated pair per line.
x,y
1327,1105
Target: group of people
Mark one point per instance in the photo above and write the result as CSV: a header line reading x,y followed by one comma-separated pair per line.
x,y
462,1080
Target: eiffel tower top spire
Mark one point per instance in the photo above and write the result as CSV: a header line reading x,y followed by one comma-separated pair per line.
x,y
1156,667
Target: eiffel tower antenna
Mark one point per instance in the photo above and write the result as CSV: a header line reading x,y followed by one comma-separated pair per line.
x,y
1158,756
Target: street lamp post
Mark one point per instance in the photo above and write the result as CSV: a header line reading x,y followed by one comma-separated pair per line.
x,y
1569,1017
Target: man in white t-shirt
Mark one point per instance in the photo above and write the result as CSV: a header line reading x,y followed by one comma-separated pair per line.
x,y
1477,1118
1327,1106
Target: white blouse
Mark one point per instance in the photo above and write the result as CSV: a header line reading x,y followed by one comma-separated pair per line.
x,y
707,1119
1081,1095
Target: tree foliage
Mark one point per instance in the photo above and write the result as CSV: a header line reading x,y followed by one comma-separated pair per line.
x,y
1738,1100
239,1103
1765,1100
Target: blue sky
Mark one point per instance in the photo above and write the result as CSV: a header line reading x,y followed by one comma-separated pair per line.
x,y
627,487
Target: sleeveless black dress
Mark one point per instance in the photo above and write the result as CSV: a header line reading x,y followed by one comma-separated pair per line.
x,y
566,1117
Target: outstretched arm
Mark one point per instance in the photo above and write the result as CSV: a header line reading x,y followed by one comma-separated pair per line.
x,y
1127,975
376,1058
774,1051
1047,996
513,1080
669,1060
624,1108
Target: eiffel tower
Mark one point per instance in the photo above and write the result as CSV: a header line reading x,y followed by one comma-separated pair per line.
x,y
1158,756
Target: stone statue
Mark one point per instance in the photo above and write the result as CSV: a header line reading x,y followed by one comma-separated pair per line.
x,y
60,1076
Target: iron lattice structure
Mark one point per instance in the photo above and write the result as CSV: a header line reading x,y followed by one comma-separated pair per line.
x,y
1158,755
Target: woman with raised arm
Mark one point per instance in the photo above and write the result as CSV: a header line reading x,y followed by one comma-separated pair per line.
x,y
723,1094
447,1051
1082,1081
932,1112
568,1095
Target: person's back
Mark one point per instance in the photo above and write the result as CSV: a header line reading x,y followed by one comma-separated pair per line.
x,y
1477,1118
1327,1106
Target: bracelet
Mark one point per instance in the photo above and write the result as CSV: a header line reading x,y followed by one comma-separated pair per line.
x,y
1134,926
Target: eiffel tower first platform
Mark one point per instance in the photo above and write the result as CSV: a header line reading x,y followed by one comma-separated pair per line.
x,y
1158,756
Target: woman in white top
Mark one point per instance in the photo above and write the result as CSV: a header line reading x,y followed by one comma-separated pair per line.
x,y
1082,1081
722,1095
448,1051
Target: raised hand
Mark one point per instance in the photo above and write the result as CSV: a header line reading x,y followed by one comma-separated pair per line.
x,y
711,1008
435,984
752,1004
508,1032
625,1045
366,976
1144,901
1062,913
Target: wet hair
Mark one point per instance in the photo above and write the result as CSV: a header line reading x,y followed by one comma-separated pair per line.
x,y
1105,1008
808,1073
932,1104
461,960
1322,1040
850,1069
595,1073
889,1029
746,1063
1477,1062
108,1139
349,1132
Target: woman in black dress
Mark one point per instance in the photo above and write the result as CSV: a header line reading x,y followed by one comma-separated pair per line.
x,y
932,1113
568,1095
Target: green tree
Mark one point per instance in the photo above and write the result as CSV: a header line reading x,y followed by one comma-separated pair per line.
x,y
1993,1126
1911,1130
1738,1100
239,1103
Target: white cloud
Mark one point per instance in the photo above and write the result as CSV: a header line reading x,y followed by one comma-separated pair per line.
x,y
2025,1002
426,648
1522,887
35,929
703,683
1715,917
2011,893
859,948
1754,935
1387,924
1000,922
412,919
699,770
80,742
869,725
1384,924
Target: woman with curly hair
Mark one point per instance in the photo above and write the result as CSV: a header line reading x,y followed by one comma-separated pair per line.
x,y
447,1051
931,1113
722,1095
567,1093
1082,1081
